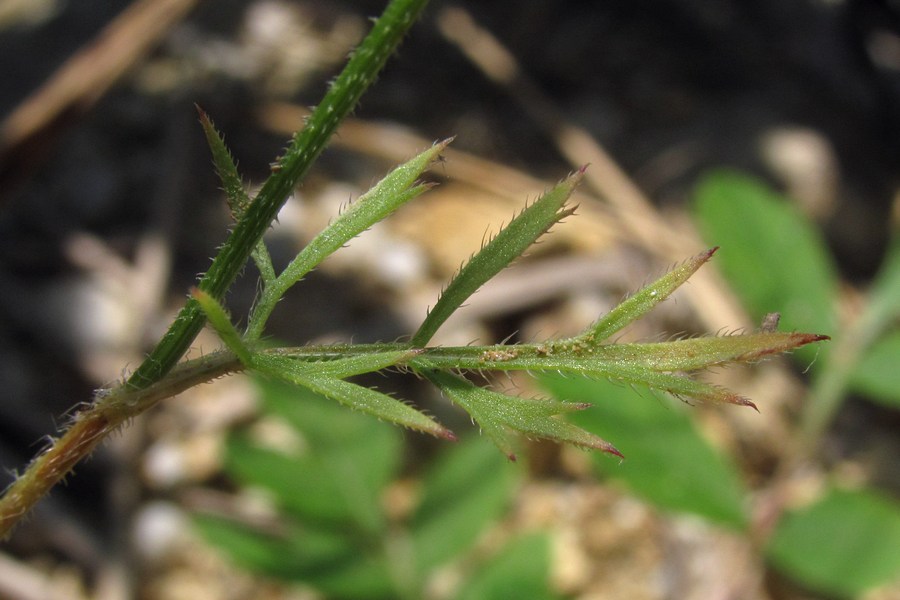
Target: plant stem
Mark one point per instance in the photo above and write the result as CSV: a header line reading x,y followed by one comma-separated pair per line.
x,y
152,380
828,390
343,95
89,427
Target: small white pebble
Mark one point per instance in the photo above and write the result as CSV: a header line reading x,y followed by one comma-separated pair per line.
x,y
157,529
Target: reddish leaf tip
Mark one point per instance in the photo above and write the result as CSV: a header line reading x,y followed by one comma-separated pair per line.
x,y
447,435
610,449
801,339
741,401
511,457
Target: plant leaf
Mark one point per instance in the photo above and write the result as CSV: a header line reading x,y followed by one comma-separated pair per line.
x,y
328,484
844,544
339,368
220,320
771,255
504,248
334,469
667,462
328,561
342,97
497,413
226,169
704,352
643,301
235,194
521,570
352,395
395,189
464,491
877,375
886,287
575,355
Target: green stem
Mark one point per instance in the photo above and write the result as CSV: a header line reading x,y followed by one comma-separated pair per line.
x,y
152,380
829,388
343,95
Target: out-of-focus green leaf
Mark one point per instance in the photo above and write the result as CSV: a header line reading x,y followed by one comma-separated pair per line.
x,y
770,254
331,562
844,544
877,375
667,462
521,571
886,287
343,462
464,491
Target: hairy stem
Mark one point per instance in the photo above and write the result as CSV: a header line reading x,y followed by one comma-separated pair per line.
x,y
110,409
343,95
154,378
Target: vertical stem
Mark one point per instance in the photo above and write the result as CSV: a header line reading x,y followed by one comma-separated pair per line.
x,y
139,393
343,95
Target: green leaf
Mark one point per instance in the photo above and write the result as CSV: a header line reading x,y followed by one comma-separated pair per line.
x,y
693,354
521,571
498,413
654,365
341,98
275,362
384,198
235,194
644,300
498,253
219,318
771,255
666,462
886,287
844,544
339,468
330,562
316,377
329,484
466,490
877,375
226,169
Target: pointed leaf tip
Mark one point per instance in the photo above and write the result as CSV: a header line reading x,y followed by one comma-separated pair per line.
x,y
644,300
742,401
610,449
699,260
